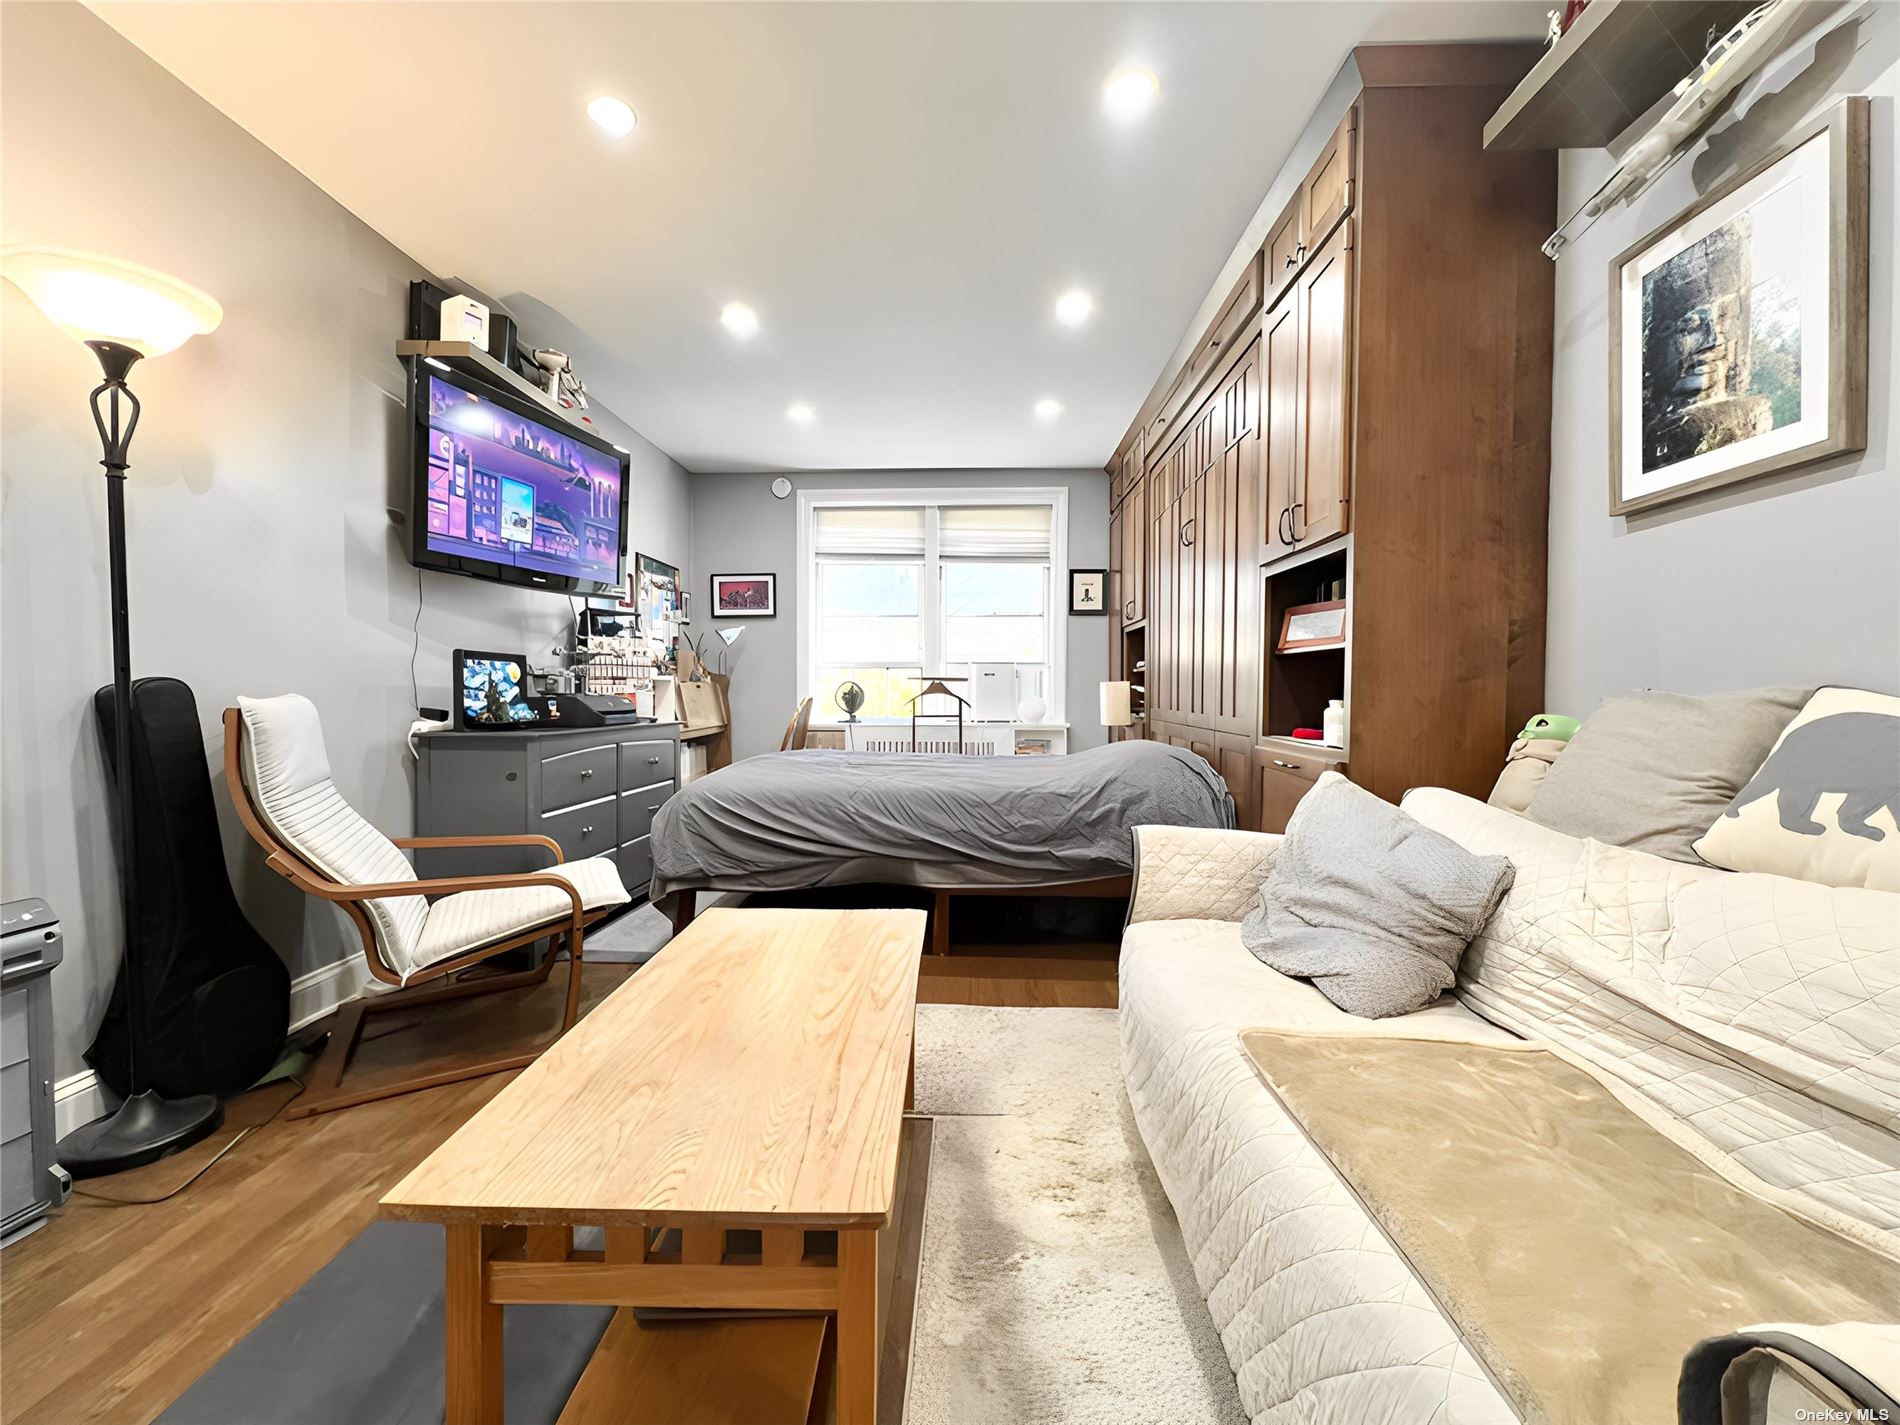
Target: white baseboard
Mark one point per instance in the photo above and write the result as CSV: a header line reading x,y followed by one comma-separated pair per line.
x,y
80,1098
315,993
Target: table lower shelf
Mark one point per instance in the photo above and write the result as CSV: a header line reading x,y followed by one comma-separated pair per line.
x,y
728,1367
763,1370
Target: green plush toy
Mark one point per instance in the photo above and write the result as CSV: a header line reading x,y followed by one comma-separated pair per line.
x,y
1554,727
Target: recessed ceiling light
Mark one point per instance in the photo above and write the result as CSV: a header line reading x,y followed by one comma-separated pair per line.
x,y
613,115
739,319
1127,94
800,414
1074,307
1048,408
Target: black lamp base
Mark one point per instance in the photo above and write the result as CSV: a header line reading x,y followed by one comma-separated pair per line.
x,y
145,1129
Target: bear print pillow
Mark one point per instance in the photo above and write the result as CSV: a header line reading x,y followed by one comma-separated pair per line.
x,y
1825,806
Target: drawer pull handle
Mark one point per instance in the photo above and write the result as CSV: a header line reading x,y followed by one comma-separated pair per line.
x,y
1290,766
654,807
1291,262
653,761
587,831
586,772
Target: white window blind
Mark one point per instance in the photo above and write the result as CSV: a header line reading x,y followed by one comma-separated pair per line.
x,y
890,533
993,531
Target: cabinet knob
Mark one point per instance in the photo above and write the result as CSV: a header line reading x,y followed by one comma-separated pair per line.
x,y
586,772
653,761
1291,262
587,831
1300,251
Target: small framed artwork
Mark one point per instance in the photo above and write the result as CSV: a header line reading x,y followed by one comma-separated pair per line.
x,y
1088,591
1738,330
745,596
1310,626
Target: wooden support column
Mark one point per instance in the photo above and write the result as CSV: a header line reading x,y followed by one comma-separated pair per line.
x,y
472,1388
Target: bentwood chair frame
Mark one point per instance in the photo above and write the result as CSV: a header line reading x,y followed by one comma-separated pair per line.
x,y
798,730
325,1090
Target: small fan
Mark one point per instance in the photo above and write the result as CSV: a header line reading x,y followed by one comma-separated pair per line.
x,y
851,698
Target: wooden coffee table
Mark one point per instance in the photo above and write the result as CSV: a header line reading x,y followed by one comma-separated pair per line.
x,y
722,1115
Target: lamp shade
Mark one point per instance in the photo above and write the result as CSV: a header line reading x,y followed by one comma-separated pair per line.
x,y
731,635
93,298
1118,708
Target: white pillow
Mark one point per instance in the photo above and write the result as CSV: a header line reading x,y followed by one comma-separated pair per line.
x,y
1825,806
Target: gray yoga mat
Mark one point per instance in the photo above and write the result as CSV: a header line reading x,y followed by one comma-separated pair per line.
x,y
360,1343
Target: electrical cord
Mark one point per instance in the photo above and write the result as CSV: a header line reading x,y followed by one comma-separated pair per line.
x,y
415,646
215,1159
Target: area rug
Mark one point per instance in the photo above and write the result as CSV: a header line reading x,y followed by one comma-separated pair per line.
x,y
1054,1287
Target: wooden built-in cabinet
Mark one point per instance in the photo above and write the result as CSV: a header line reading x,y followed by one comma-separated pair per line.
x,y
1368,414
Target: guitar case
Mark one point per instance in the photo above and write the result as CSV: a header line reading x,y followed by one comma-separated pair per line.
x,y
217,998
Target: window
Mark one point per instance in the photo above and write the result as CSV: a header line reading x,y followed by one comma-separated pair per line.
x,y
900,585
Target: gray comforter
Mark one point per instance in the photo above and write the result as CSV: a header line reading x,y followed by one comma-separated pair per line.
x,y
790,820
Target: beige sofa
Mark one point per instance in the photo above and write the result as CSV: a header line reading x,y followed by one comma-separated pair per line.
x,y
1606,955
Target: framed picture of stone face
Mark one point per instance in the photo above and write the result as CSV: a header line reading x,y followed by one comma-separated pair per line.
x,y
745,596
1738,330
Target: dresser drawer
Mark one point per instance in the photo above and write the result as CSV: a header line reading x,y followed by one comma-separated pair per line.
x,y
576,777
638,808
644,763
636,864
590,829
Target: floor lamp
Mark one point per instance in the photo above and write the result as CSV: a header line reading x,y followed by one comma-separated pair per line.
x,y
122,313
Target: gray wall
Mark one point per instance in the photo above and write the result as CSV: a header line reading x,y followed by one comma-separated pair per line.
x,y
1791,579
261,558
739,528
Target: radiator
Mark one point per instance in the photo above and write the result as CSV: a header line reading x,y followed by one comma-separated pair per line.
x,y
978,741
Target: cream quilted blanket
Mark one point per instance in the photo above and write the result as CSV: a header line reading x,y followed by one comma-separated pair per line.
x,y
1754,1018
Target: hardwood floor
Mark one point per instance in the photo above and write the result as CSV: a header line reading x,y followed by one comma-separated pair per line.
x,y
110,1311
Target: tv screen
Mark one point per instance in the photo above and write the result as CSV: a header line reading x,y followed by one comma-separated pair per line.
x,y
506,491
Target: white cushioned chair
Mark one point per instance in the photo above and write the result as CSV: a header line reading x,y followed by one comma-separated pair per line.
x,y
414,931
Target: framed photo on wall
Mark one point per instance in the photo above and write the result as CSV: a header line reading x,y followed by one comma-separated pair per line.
x,y
1738,330
657,595
745,596
1088,591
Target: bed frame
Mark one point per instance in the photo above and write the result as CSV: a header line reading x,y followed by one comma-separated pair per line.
x,y
686,900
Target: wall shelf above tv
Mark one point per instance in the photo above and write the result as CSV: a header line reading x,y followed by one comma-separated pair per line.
x,y
471,360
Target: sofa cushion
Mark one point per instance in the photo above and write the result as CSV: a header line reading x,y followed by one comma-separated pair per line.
x,y
1825,805
1650,771
1370,906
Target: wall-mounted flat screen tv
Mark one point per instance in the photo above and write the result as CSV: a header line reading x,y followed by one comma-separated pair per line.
x,y
506,490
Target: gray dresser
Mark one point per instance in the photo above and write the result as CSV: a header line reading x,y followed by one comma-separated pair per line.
x,y
594,790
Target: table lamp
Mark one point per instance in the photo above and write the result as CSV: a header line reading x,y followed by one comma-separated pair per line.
x,y
122,312
1118,705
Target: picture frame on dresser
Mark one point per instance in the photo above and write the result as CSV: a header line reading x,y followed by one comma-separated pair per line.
x,y
1738,329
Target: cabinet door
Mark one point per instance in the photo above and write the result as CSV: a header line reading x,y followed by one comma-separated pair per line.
x,y
1117,586
1327,194
1231,552
1283,250
1164,567
1324,485
1279,429
1134,532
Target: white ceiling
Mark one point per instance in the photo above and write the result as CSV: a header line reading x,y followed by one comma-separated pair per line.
x,y
901,191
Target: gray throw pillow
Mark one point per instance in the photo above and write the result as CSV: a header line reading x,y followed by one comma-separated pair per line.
x,y
1652,771
1371,906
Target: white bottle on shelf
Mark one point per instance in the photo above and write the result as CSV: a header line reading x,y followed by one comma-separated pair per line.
x,y
1333,724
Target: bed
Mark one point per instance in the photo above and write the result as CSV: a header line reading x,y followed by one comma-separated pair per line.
x,y
947,824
